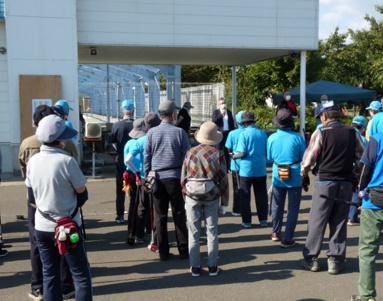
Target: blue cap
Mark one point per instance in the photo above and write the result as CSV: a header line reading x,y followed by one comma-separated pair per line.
x,y
375,105
238,117
360,120
65,106
127,105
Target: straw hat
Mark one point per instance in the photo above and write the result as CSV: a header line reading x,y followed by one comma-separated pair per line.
x,y
208,134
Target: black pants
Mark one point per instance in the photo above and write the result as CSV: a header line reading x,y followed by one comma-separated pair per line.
x,y
120,195
224,149
236,199
170,190
37,267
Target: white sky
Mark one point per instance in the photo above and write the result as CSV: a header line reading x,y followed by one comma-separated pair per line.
x,y
345,14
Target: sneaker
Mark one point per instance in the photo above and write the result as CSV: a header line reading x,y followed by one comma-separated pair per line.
x,y
120,219
263,223
287,243
36,295
353,222
246,225
312,265
235,214
213,271
195,271
274,236
69,294
139,241
359,298
334,267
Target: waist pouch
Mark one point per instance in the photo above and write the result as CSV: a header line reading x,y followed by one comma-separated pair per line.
x,y
376,196
199,189
284,172
66,234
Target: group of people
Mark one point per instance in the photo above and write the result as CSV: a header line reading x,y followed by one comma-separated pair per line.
x,y
346,163
194,181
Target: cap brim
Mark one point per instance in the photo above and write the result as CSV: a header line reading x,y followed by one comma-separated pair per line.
x,y
136,134
68,134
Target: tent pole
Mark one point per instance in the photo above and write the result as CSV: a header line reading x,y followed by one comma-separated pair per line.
x,y
234,89
303,94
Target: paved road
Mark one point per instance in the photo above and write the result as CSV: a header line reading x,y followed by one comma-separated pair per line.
x,y
253,267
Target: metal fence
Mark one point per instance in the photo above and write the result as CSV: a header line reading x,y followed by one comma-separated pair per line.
x,y
203,98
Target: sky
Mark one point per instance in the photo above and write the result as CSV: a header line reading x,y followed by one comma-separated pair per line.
x,y
345,14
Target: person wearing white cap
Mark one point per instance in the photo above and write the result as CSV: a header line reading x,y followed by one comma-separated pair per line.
x,y
336,150
58,190
119,136
375,125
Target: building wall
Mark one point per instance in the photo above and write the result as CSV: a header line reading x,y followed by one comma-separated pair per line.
x,y
41,38
291,24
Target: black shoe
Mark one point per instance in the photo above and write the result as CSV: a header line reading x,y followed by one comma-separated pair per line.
x,y
164,256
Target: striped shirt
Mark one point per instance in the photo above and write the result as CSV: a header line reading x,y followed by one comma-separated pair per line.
x,y
165,149
207,162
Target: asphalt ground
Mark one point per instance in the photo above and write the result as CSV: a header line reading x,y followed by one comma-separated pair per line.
x,y
252,266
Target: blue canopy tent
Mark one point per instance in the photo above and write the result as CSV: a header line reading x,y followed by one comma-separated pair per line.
x,y
335,91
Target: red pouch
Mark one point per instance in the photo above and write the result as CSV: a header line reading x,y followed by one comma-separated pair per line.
x,y
64,242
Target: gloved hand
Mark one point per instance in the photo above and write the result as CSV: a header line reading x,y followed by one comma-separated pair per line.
x,y
305,183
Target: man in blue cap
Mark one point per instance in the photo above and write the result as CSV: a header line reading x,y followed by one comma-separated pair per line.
x,y
119,137
375,125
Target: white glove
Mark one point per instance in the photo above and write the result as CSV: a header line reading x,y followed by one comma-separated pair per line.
x,y
222,210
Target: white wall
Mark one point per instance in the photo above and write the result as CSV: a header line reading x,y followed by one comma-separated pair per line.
x,y
291,24
41,40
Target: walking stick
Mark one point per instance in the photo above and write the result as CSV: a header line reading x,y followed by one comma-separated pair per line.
x,y
337,200
153,244
83,224
2,252
132,225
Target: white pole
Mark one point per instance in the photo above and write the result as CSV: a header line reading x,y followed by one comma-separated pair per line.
x,y
303,94
234,89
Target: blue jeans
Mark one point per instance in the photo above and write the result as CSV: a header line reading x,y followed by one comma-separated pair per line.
x,y
196,211
278,206
260,192
77,261
354,212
